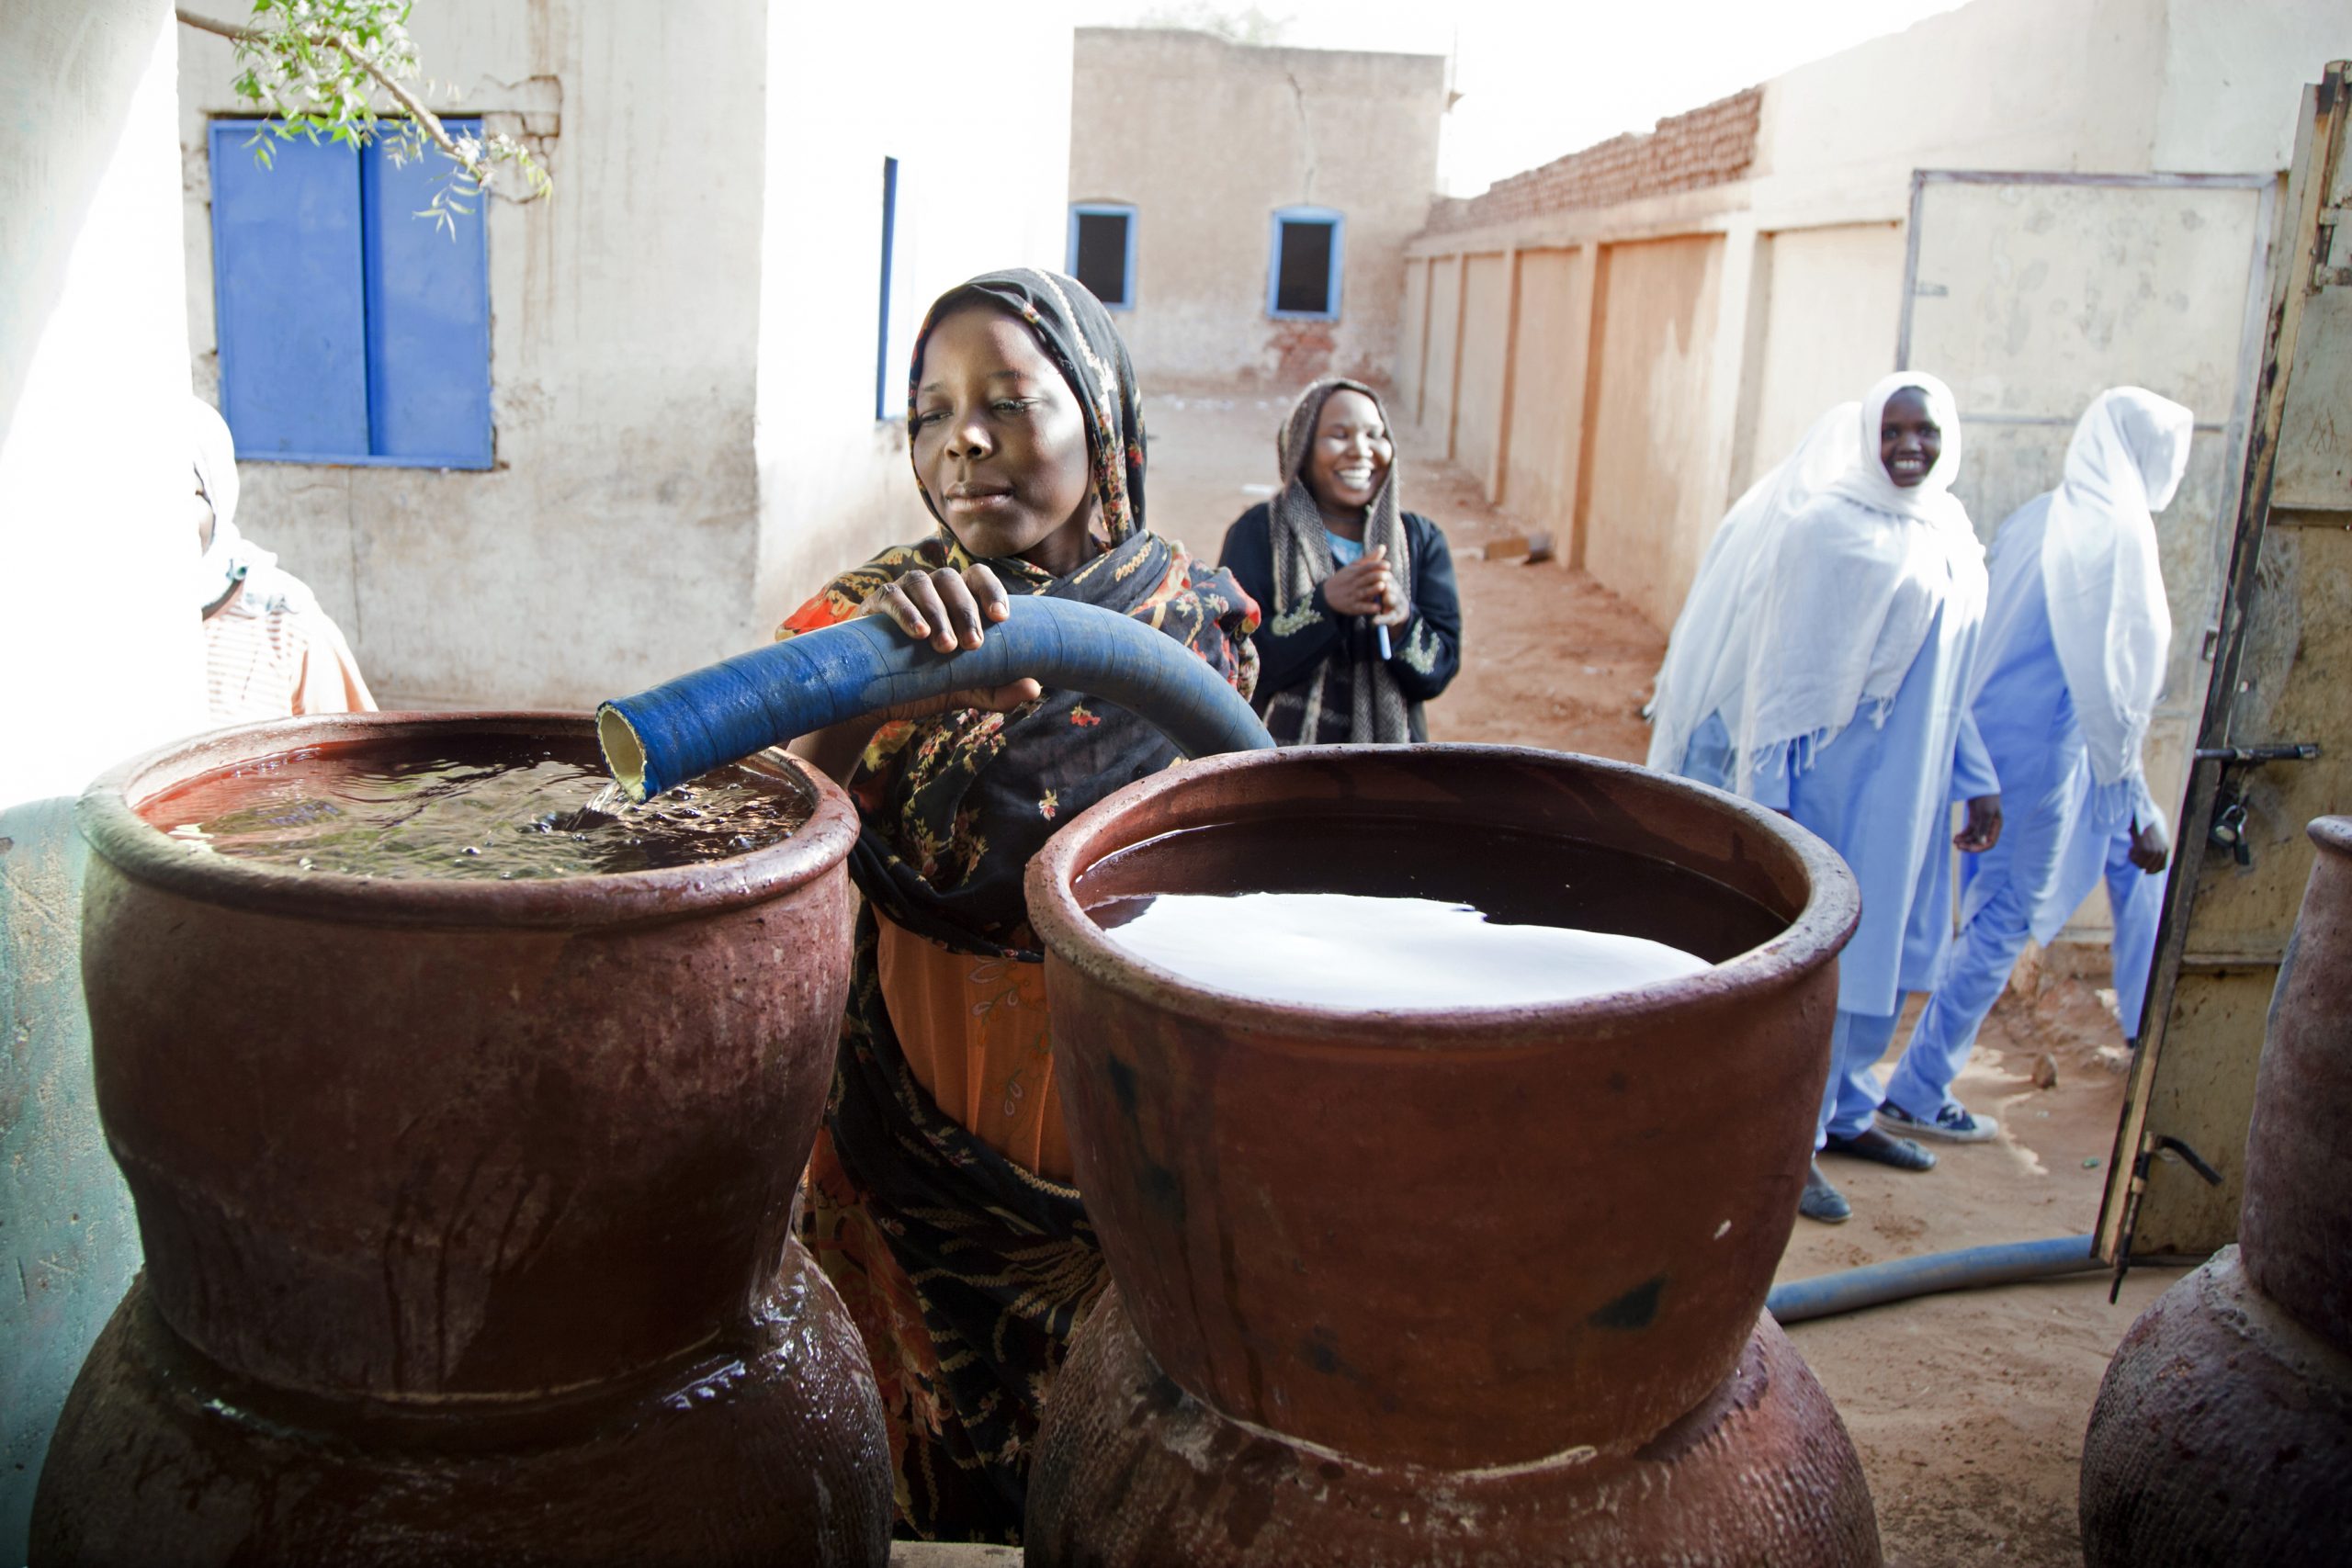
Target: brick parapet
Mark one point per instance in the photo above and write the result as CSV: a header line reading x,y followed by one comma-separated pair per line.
x,y
1711,145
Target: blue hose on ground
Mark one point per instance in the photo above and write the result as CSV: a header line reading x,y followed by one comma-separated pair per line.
x,y
2001,1264
684,727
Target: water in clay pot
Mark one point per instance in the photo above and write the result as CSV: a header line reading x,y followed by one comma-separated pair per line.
x,y
463,1107
1415,1258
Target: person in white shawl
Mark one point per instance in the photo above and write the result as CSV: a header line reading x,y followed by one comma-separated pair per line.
x,y
270,652
1822,669
2075,641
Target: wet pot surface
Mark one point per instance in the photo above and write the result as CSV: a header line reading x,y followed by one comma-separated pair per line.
x,y
1462,1235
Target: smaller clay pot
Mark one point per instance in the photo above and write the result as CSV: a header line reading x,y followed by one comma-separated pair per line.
x,y
1133,1473
2296,1227
2222,1434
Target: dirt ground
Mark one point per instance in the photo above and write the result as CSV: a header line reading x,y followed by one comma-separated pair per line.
x,y
1968,1409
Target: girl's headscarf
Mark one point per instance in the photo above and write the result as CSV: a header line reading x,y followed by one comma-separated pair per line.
x,y
1302,558
1076,332
2099,567
1857,581
1707,658
230,555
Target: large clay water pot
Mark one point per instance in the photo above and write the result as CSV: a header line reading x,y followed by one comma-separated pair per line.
x,y
2222,1432
466,1205
1424,1287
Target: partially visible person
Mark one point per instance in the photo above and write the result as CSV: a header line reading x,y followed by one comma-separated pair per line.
x,y
2075,640
1826,676
270,652
1362,625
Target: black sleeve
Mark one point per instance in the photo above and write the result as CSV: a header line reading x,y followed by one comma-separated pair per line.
x,y
1289,646
1427,650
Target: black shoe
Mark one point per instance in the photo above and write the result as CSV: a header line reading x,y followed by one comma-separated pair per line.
x,y
1881,1148
1822,1201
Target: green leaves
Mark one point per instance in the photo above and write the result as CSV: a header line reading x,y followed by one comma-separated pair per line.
x,y
316,67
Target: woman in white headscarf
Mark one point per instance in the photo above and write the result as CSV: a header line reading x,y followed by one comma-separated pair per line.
x,y
270,652
1849,597
2075,641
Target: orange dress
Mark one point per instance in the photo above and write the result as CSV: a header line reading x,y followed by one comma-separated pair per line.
x,y
974,1034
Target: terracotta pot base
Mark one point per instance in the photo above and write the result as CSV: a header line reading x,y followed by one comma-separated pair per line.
x,y
764,1451
2222,1434
1132,1472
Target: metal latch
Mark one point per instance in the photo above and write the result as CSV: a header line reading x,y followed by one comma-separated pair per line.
x,y
2228,828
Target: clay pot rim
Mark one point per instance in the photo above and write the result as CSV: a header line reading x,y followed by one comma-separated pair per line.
x,y
2332,833
1814,936
116,834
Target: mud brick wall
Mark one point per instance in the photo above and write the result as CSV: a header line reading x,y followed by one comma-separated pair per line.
x,y
1710,146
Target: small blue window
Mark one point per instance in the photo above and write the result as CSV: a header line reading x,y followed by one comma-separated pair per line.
x,y
1303,277
350,330
889,378
1103,251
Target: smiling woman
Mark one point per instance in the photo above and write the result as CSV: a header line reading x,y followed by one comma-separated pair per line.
x,y
1363,623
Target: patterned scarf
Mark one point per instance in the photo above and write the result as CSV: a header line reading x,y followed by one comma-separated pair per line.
x,y
966,1271
1379,712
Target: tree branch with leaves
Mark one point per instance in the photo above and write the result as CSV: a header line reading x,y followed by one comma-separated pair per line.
x,y
317,68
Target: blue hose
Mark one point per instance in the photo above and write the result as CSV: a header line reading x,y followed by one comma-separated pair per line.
x,y
684,728
2001,1264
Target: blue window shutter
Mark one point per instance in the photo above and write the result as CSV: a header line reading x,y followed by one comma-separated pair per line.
x,y
428,314
287,296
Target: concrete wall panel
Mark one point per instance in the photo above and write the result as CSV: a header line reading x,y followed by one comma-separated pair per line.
x,y
1435,414
1832,302
1482,392
1548,397
1412,339
1644,525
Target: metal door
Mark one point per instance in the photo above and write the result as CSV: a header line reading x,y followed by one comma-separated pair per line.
x,y
2032,293
2274,743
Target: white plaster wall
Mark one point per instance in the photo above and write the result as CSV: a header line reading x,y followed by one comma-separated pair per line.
x,y
979,120
616,542
1997,84
2234,77
1207,138
100,654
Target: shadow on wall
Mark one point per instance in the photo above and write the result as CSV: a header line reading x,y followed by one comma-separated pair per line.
x,y
73,1239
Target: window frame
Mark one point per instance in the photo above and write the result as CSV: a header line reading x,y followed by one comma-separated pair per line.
x,y
1331,293
232,135
1125,209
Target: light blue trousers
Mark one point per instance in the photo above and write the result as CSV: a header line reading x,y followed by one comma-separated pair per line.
x,y
1980,962
1978,967
1851,1099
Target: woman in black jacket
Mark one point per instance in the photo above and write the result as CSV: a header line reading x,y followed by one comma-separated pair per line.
x,y
1362,625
